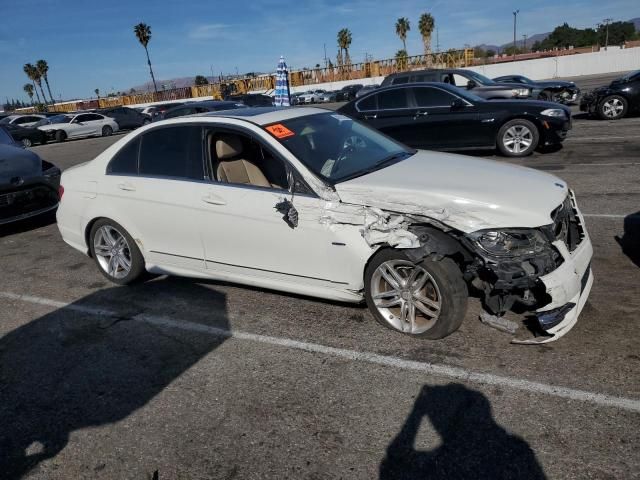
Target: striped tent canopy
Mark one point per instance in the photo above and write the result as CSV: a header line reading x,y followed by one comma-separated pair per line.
x,y
282,85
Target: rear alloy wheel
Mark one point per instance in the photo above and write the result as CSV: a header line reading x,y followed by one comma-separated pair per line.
x,y
26,142
613,107
517,138
426,299
61,136
115,252
107,131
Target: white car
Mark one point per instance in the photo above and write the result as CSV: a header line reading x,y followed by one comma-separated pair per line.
x,y
22,120
61,127
311,202
312,96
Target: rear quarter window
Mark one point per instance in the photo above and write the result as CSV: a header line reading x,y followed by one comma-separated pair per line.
x,y
125,162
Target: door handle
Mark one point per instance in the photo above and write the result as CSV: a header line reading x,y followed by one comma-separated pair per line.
x,y
213,199
371,117
420,114
126,186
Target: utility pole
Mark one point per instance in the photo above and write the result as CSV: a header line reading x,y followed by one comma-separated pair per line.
x,y
437,40
607,21
515,17
325,55
524,43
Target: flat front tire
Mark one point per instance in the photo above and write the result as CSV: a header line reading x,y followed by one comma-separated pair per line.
x,y
115,252
517,138
426,299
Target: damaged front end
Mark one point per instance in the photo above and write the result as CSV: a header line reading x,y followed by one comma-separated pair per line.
x,y
545,271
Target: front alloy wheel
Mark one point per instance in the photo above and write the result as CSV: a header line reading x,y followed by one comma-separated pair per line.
x,y
517,138
425,299
613,108
115,252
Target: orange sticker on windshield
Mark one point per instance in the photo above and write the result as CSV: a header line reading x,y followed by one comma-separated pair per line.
x,y
279,131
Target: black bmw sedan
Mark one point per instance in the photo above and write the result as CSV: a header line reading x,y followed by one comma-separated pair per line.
x,y
28,136
442,117
616,100
28,185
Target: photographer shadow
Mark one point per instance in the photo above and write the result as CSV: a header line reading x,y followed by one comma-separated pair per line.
x,y
630,240
473,445
72,369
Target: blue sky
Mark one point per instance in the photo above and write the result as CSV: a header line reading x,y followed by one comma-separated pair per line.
x,y
91,44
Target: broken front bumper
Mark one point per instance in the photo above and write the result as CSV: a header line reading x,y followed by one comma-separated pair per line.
x,y
568,286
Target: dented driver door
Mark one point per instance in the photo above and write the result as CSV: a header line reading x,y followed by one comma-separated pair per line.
x,y
247,232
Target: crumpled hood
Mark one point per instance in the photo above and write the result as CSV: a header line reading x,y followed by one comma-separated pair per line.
x,y
17,162
463,192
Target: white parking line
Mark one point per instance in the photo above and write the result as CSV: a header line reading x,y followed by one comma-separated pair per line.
x,y
606,215
438,370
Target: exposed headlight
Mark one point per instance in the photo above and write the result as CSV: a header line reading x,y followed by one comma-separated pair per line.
x,y
521,92
554,112
510,243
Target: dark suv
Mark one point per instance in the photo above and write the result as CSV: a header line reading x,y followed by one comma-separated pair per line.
x,y
614,101
474,82
126,118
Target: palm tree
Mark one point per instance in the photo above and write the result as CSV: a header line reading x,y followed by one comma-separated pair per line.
x,y
28,88
402,59
402,27
143,33
426,26
97,92
43,68
32,72
344,42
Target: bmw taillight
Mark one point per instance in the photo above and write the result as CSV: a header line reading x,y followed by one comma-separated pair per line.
x,y
60,192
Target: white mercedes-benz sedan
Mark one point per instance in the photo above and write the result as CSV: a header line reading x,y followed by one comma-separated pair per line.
x,y
61,127
309,201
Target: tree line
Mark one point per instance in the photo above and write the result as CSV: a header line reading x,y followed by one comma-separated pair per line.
x,y
565,36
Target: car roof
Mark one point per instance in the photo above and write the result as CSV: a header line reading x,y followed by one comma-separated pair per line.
x,y
266,115
429,70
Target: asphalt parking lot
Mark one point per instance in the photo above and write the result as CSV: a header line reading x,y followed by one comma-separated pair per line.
x,y
200,379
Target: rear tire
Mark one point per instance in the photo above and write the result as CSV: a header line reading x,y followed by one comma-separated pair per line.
x,y
118,257
431,303
107,131
61,136
517,138
613,107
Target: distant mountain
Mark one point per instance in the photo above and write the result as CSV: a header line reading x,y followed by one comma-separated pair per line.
x,y
179,82
636,23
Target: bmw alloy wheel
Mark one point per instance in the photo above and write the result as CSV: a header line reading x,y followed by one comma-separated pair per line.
x,y
517,139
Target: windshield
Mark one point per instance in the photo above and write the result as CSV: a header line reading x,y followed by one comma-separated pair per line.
x,y
5,120
337,148
5,138
631,76
481,79
54,119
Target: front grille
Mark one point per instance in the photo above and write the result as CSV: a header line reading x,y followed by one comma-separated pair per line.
x,y
26,200
566,224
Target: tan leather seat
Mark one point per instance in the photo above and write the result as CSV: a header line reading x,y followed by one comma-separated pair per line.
x,y
234,169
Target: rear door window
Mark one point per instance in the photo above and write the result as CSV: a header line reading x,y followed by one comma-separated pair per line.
x,y
172,152
392,99
400,80
426,97
368,104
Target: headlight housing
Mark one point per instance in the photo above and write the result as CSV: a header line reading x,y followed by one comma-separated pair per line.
x,y
521,92
510,242
554,112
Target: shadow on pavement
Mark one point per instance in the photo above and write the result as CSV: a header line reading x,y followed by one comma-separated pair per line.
x,y
28,224
69,370
630,241
473,445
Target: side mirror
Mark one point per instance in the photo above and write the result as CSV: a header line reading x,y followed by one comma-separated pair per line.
x,y
471,84
457,104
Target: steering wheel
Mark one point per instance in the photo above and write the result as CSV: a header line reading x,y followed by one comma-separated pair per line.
x,y
351,144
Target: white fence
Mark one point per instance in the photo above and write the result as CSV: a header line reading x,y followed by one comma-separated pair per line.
x,y
613,60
